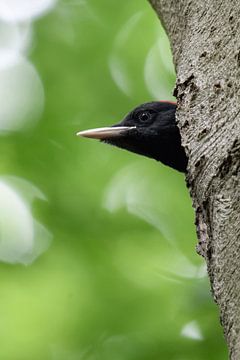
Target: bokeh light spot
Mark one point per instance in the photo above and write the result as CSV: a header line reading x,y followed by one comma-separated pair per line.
x,y
15,10
21,93
130,189
22,238
192,330
14,37
158,63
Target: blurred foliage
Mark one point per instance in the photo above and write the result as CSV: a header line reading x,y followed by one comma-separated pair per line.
x,y
121,279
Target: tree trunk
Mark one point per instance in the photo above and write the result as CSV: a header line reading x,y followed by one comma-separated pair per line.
x,y
205,41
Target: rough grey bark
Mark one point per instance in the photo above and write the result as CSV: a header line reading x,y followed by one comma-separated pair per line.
x,y
205,41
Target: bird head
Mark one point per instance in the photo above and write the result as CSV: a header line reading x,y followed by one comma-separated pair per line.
x,y
150,130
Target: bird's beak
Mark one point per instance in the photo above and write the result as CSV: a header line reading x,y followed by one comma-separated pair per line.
x,y
106,132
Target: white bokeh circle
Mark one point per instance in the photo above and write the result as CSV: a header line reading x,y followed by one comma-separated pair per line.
x,y
15,37
16,236
24,10
21,92
22,238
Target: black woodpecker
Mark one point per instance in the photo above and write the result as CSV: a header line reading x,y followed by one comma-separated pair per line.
x,y
149,130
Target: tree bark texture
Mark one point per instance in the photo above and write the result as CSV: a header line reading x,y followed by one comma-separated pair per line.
x,y
205,41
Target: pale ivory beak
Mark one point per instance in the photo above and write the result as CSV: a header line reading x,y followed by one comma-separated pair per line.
x,y
105,132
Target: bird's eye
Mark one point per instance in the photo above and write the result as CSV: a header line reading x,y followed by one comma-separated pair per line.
x,y
144,116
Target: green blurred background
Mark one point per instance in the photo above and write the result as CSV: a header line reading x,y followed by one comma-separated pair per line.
x,y
111,272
